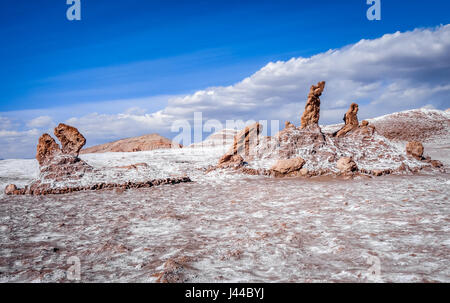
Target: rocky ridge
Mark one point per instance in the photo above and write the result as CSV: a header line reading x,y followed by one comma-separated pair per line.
x,y
142,143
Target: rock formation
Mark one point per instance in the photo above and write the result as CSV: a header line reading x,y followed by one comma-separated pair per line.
x,y
415,149
11,189
351,120
243,144
307,151
311,114
288,166
346,165
47,149
61,163
71,139
61,170
288,124
229,160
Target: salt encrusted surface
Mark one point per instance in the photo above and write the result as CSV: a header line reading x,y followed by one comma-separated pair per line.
x,y
236,230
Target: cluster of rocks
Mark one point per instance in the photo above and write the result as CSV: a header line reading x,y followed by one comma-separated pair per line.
x,y
306,150
61,165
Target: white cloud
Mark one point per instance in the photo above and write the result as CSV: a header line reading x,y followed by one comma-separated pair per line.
x,y
395,72
41,121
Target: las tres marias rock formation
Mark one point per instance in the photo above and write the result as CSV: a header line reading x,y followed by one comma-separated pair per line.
x,y
62,171
355,149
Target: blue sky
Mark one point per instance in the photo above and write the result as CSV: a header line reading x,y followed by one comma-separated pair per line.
x,y
133,67
135,48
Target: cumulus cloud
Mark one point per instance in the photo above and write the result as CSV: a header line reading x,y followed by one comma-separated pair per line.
x,y
41,121
394,72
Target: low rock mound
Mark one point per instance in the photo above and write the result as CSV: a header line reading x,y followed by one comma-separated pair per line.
x,y
423,125
136,144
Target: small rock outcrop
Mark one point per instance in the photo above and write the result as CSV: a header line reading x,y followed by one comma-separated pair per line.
x,y
229,160
311,114
351,120
346,165
288,124
415,149
288,166
243,143
10,189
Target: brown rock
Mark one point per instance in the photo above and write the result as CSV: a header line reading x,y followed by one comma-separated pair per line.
x,y
10,189
311,114
47,149
347,165
379,172
288,166
288,124
243,144
351,120
71,139
436,163
415,149
365,123
231,160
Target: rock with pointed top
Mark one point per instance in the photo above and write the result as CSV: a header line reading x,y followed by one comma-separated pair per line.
x,y
351,121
